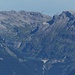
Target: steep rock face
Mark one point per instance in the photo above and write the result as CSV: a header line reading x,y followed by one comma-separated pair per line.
x,y
35,44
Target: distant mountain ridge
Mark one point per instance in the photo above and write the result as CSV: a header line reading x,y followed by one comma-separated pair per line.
x,y
32,43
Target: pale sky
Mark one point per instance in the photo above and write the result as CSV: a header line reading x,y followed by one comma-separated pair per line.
x,y
49,7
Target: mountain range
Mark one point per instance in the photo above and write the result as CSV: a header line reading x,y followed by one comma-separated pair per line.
x,y
32,43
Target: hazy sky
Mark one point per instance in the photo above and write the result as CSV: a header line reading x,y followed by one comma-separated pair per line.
x,y
45,6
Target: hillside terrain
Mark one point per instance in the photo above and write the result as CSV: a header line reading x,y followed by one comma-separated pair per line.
x,y
32,43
